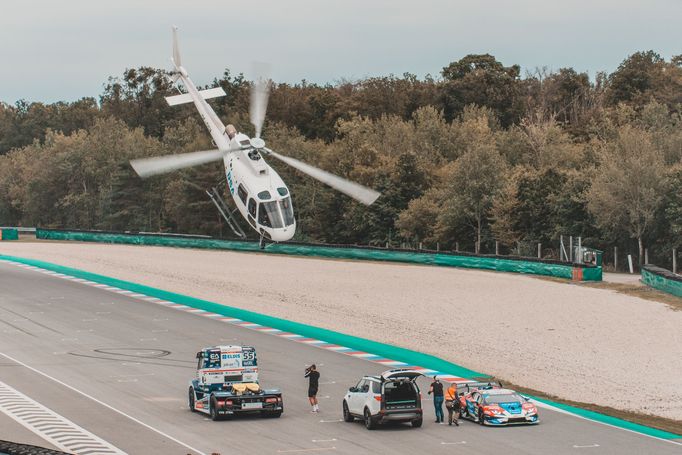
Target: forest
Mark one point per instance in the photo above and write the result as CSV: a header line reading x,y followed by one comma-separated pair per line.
x,y
478,154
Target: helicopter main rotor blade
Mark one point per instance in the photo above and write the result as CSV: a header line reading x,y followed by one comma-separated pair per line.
x,y
260,91
358,192
146,167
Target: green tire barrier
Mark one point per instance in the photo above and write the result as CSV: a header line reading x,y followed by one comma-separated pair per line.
x,y
662,279
9,234
361,344
559,270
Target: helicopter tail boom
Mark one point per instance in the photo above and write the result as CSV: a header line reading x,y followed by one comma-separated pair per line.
x,y
187,98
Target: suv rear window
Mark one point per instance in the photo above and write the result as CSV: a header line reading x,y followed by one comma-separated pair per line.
x,y
376,387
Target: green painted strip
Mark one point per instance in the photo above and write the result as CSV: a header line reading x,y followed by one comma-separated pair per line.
x,y
447,260
661,283
369,346
615,421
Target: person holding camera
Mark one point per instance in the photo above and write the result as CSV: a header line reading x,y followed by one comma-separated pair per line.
x,y
313,383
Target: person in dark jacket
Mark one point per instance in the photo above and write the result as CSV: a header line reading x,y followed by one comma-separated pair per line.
x,y
313,383
437,390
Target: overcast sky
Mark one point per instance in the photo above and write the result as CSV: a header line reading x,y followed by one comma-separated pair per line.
x,y
64,50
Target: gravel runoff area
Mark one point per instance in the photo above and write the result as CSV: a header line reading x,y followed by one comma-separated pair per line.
x,y
574,342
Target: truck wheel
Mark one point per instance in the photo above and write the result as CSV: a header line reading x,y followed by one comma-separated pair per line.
x,y
417,423
214,409
190,399
370,424
347,416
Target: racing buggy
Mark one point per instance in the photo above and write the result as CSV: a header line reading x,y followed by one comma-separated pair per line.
x,y
227,384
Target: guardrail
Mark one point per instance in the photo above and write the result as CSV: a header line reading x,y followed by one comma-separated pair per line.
x,y
662,279
579,272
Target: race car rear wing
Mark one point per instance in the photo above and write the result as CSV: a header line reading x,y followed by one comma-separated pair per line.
x,y
467,387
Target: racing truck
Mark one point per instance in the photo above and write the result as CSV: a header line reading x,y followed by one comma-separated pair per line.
x,y
227,384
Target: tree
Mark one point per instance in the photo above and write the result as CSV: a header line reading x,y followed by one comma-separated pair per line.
x,y
475,179
628,184
482,80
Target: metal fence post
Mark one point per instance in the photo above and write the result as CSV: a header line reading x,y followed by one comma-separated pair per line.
x,y
539,250
497,248
570,249
437,246
646,255
615,258
675,260
457,247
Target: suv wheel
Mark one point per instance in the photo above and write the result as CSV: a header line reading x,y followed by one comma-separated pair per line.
x,y
370,424
347,416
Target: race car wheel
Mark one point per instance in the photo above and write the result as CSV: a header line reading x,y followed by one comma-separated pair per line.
x,y
347,416
214,409
417,423
370,424
480,417
191,399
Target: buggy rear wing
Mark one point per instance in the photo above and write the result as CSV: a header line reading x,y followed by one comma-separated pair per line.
x,y
467,387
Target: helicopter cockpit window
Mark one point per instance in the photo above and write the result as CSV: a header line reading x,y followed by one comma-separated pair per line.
x,y
282,191
264,195
242,193
287,211
252,207
268,215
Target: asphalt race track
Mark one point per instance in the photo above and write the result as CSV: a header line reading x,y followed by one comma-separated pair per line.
x,y
117,368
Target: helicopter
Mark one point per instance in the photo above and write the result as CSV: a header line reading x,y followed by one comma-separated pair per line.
x,y
259,193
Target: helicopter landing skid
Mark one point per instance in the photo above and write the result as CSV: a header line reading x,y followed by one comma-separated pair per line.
x,y
226,213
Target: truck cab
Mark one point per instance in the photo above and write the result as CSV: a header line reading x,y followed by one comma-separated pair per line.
x,y
226,384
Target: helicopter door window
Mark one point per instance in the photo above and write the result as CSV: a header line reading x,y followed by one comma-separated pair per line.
x,y
242,193
287,211
268,215
252,207
282,191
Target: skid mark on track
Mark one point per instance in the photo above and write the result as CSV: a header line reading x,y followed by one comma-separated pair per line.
x,y
49,425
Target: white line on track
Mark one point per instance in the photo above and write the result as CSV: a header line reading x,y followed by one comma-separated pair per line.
x,y
586,447
52,427
315,449
155,430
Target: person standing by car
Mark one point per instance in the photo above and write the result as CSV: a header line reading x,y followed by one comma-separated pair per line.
x,y
437,390
313,383
452,403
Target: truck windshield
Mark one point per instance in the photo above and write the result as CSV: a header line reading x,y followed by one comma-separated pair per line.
x,y
268,215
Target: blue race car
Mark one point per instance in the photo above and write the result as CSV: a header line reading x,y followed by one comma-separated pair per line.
x,y
497,406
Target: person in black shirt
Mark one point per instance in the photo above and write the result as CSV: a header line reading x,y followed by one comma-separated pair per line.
x,y
313,383
437,390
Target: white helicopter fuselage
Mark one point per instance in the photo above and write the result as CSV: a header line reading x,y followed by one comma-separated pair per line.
x,y
257,190
259,193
